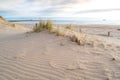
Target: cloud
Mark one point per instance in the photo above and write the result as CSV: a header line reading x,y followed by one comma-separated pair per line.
x,y
55,8
99,10
30,8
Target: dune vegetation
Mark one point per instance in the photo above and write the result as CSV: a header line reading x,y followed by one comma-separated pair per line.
x,y
68,31
43,25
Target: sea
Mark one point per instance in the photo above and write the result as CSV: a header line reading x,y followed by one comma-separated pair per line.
x,y
67,21
112,22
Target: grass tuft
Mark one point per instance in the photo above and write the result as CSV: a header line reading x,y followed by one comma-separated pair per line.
x,y
69,27
49,25
58,32
43,25
37,28
74,38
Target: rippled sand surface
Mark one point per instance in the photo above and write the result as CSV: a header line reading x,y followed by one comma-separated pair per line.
x,y
45,56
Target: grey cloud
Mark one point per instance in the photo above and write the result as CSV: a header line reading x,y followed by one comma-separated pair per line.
x,y
99,10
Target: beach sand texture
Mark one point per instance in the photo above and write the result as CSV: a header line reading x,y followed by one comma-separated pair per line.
x,y
45,56
9,25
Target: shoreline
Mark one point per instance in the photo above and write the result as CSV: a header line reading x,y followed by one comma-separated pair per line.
x,y
86,22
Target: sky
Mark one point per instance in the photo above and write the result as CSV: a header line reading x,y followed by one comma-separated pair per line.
x,y
73,9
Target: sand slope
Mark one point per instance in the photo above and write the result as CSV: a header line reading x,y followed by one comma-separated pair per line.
x,y
45,56
4,24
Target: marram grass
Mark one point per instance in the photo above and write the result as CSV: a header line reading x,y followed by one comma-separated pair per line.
x,y
43,25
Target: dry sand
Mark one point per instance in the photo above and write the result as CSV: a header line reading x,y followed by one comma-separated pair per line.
x,y
45,56
5,25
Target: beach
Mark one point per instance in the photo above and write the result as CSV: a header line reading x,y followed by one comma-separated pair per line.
x,y
26,55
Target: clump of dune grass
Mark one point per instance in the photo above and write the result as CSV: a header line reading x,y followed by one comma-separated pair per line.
x,y
74,38
43,25
49,25
69,27
37,28
58,31
78,41
81,42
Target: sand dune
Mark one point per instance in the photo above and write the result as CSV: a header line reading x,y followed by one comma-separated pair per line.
x,y
4,24
87,39
45,56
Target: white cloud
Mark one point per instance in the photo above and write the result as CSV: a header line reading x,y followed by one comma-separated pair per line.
x,y
58,8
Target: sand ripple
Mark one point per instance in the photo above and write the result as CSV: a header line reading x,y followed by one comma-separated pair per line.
x,y
25,60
